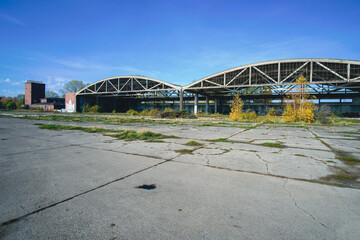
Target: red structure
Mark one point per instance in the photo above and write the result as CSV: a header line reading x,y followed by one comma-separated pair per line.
x,y
35,97
34,91
70,102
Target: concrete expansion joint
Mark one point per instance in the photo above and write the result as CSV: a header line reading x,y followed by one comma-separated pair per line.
x,y
11,221
238,133
127,153
37,150
297,206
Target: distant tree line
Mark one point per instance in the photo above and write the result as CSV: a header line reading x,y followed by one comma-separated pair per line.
x,y
12,103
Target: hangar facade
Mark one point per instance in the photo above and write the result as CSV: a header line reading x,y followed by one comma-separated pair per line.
x,y
262,85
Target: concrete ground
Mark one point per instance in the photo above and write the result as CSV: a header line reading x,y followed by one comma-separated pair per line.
x,y
77,185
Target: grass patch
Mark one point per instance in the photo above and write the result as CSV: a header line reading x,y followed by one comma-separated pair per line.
x,y
132,135
348,160
269,144
358,133
219,140
59,127
127,135
300,155
340,176
185,151
193,143
155,140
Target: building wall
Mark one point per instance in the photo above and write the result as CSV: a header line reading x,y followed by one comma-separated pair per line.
x,y
70,102
34,92
46,107
28,93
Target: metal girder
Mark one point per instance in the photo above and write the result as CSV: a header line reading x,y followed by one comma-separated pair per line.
x,y
333,73
294,72
324,73
330,70
227,84
127,84
264,74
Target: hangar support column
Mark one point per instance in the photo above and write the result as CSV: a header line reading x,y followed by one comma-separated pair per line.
x,y
181,99
216,105
196,103
207,105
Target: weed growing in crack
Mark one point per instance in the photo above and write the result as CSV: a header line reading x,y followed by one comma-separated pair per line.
x,y
219,140
193,143
270,144
187,151
127,135
340,176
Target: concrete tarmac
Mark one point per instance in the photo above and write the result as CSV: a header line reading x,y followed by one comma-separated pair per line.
x,y
78,185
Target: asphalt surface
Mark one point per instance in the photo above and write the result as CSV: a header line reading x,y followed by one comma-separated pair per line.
x,y
78,185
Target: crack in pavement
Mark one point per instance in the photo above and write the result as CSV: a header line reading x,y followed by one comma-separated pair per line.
x,y
11,221
37,150
266,163
135,154
297,206
266,174
207,160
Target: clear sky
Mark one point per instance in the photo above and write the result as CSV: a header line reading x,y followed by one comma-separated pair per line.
x,y
175,41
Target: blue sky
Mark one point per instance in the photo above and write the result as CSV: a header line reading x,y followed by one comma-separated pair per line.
x,y
175,41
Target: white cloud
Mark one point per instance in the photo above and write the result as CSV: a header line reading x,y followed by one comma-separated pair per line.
x,y
11,93
82,64
14,83
55,83
11,19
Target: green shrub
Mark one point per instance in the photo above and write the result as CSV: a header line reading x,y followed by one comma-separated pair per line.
x,y
86,108
167,114
132,112
201,114
270,117
249,115
11,106
177,114
271,112
144,112
113,111
154,112
95,109
324,114
169,110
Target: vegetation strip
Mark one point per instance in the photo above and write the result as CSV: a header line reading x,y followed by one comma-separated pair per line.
x,y
193,143
187,151
270,175
127,135
270,144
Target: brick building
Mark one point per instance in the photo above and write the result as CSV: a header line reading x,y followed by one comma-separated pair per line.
x,y
35,97
34,91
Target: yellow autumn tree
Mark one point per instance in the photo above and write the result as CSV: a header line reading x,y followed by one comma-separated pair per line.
x,y
298,106
236,108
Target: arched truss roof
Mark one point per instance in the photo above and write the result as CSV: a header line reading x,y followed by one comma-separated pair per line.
x,y
280,76
128,85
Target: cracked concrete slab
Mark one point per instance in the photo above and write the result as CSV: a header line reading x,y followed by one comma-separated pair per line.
x,y
73,184
31,181
228,205
151,149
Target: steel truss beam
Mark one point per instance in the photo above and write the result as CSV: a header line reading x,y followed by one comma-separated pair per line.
x,y
130,85
324,72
